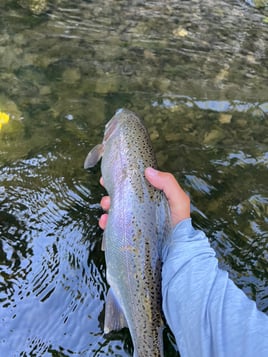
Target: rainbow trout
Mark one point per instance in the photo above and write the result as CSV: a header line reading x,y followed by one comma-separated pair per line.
x,y
138,224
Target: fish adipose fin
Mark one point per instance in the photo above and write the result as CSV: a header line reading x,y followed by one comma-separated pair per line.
x,y
114,317
93,156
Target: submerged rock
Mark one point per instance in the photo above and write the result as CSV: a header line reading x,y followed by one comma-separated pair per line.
x,y
225,118
213,136
37,7
8,106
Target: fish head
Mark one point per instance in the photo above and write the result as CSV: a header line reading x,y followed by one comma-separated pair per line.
x,y
121,117
111,128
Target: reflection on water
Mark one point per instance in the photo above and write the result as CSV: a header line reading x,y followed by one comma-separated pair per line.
x,y
197,75
51,280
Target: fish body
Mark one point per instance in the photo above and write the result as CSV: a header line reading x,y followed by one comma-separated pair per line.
x,y
138,224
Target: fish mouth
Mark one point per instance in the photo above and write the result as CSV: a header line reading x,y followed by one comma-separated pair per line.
x,y
120,110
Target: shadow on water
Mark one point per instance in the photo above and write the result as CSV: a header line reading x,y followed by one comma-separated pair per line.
x,y
197,72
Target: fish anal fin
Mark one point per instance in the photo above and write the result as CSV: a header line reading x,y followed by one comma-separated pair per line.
x,y
114,317
103,243
93,156
160,340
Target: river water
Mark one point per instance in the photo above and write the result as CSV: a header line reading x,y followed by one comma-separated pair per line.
x,y
197,72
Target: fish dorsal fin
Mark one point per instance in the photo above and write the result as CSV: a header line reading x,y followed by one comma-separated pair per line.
x,y
114,317
93,156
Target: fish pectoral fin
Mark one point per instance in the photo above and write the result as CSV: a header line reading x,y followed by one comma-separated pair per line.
x,y
114,317
93,156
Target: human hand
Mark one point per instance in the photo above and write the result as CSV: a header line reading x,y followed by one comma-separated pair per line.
x,y
178,200
105,205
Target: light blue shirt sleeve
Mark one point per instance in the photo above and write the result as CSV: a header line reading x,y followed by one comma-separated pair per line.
x,y
207,313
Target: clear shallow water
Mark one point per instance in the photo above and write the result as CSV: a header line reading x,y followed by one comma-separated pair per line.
x,y
197,73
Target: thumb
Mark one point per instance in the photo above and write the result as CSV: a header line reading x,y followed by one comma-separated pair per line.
x,y
178,200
